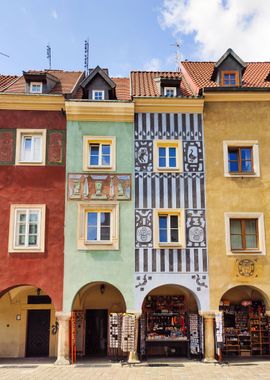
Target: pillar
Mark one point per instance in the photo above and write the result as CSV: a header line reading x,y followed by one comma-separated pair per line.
x,y
63,338
209,338
133,355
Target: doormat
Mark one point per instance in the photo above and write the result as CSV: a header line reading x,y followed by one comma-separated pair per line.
x,y
165,365
19,366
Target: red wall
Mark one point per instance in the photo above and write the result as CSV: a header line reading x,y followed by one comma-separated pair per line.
x,y
44,185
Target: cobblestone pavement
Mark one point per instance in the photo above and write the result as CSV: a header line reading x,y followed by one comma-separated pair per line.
x,y
186,370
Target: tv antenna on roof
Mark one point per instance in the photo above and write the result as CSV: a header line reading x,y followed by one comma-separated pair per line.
x,y
5,55
86,56
177,46
49,55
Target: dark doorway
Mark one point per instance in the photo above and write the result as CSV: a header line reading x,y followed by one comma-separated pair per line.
x,y
96,332
38,333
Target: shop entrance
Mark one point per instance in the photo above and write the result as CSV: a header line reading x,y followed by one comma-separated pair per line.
x,y
170,325
96,330
91,324
38,333
245,325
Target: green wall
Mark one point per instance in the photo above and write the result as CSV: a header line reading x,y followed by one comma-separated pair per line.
x,y
115,267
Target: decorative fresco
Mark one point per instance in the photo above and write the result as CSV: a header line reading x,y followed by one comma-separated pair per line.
x,y
99,187
7,146
55,147
195,228
144,228
144,155
193,156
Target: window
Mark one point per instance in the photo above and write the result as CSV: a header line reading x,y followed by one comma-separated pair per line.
x,y
167,155
27,224
98,225
30,147
241,159
229,78
99,153
97,95
36,87
169,91
244,233
169,228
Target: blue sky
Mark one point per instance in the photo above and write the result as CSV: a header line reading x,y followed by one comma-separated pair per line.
x,y
129,35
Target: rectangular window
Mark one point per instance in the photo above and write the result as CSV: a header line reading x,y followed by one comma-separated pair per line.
x,y
27,228
244,234
98,226
167,155
170,91
168,229
31,148
240,160
100,154
98,95
36,87
230,78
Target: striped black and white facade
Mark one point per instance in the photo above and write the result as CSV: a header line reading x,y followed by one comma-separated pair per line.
x,y
186,190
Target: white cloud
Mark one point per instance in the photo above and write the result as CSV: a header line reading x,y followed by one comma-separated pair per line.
x,y
217,25
153,65
54,14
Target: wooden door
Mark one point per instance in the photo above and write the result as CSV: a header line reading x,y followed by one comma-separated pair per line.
x,y
38,333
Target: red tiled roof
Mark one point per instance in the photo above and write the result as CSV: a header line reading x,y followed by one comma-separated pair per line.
x,y
143,83
199,74
6,80
122,88
67,80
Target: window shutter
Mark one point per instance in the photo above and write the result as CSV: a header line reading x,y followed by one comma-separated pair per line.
x,y
7,146
55,147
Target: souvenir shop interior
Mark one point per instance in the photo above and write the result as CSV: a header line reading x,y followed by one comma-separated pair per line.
x,y
170,325
245,326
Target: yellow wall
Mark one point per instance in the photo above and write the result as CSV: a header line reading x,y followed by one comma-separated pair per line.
x,y
12,331
235,121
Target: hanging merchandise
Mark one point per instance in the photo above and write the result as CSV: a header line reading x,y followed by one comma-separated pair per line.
x,y
114,330
219,328
128,333
194,332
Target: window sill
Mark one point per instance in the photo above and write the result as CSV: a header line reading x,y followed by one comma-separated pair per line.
x,y
232,175
169,245
167,170
246,253
26,250
109,242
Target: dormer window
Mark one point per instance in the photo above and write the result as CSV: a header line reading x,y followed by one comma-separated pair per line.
x,y
229,78
98,95
36,87
170,91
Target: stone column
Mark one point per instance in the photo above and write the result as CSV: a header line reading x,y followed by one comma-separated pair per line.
x,y
63,338
209,337
133,355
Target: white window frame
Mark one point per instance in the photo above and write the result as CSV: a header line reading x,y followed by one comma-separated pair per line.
x,y
169,89
21,134
181,228
32,84
106,140
94,92
242,144
177,144
98,206
261,250
27,208
98,227
100,145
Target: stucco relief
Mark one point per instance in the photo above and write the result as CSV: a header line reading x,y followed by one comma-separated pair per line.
x,y
195,228
144,228
144,156
193,156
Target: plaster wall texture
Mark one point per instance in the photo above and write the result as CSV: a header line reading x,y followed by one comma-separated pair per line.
x,y
34,185
114,267
235,121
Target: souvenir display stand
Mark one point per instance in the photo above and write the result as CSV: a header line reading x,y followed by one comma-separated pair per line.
x,y
246,329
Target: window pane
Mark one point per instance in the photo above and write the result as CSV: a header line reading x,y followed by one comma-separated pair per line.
x,y
174,235
92,218
163,222
236,242
27,143
162,162
106,160
32,240
233,155
21,240
105,233
33,217
22,217
233,166
246,153
163,236
172,162
94,154
106,149
162,152
22,229
250,227
172,152
246,166
105,219
251,241
92,233
235,226
174,221
33,229
37,148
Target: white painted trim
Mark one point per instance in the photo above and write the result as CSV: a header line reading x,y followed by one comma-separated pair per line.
x,y
95,91
170,88
36,83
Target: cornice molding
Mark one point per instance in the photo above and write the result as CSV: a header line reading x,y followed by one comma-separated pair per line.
x,y
192,105
237,97
100,111
27,102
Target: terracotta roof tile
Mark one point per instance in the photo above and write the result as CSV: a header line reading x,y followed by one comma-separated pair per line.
x,y
199,74
6,81
122,88
67,81
143,83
